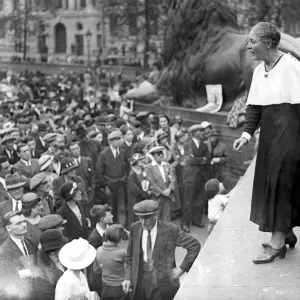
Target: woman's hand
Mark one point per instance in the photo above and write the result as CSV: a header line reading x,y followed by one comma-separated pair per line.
x,y
239,143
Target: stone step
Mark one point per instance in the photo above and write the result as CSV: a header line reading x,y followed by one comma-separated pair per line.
x,y
224,269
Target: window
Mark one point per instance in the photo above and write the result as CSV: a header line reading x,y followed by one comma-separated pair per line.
x,y
113,24
99,41
59,4
98,26
16,4
133,12
1,5
79,26
82,4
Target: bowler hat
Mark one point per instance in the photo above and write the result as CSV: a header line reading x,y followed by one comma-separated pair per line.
x,y
135,158
52,239
37,180
68,190
51,222
145,208
67,164
77,255
114,135
13,181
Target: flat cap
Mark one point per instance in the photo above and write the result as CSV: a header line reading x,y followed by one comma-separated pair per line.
x,y
195,128
7,138
51,222
49,137
156,149
145,208
114,135
37,180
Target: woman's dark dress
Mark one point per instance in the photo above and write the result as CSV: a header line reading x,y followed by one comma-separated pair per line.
x,y
276,188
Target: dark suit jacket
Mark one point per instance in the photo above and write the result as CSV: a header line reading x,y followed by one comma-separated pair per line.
x,y
196,168
15,158
95,239
28,172
169,236
12,260
86,171
73,229
156,179
4,196
111,171
128,150
5,207
90,149
39,148
57,184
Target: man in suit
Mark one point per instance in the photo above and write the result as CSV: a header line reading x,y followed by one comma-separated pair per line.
x,y
68,173
41,146
5,168
31,143
150,267
162,182
18,255
9,150
111,173
195,175
85,170
15,188
26,166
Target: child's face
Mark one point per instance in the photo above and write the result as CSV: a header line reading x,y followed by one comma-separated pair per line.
x,y
221,187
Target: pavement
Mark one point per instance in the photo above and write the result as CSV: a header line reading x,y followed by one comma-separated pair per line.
x,y
224,270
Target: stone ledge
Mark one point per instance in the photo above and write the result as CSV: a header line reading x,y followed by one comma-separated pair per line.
x,y
224,269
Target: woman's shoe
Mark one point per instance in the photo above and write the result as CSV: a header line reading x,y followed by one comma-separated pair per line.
x,y
291,241
270,254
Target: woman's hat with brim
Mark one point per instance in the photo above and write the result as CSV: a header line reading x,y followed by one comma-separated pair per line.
x,y
52,239
135,158
45,161
77,255
67,164
68,190
6,139
156,149
14,181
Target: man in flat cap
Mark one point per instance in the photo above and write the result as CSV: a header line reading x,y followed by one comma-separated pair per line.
x,y
150,267
111,174
8,149
195,175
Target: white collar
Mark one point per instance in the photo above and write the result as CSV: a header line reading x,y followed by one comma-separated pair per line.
x,y
16,240
154,228
25,162
128,143
154,163
100,230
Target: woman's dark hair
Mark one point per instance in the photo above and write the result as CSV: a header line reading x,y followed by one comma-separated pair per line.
x,y
212,188
166,117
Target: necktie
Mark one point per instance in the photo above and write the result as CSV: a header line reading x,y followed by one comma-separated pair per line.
x,y
117,153
149,250
17,206
25,250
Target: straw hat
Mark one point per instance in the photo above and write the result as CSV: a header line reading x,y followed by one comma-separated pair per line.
x,y
77,254
13,181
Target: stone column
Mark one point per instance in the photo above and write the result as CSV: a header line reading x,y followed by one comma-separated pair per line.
x,y
78,4
64,4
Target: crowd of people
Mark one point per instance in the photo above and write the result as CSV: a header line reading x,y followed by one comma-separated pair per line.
x,y
78,175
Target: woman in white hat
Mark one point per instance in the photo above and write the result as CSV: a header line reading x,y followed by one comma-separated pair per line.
x,y
75,256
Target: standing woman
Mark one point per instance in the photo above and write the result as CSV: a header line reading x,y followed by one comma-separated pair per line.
x,y
274,102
